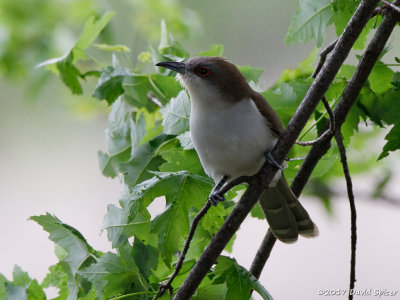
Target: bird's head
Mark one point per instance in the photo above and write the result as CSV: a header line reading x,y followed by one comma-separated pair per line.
x,y
210,76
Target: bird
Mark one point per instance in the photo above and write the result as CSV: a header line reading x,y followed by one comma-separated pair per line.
x,y
233,130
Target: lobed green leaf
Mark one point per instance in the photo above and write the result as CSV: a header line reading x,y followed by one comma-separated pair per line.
x,y
310,22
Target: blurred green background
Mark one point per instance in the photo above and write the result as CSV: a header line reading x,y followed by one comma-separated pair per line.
x,y
50,139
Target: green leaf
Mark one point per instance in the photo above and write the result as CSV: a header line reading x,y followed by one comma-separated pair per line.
x,y
215,50
185,140
211,292
326,162
72,242
58,278
69,74
176,114
111,275
92,30
137,128
303,70
351,123
144,160
136,89
138,86
109,86
22,286
257,212
178,159
164,39
3,290
169,48
15,292
145,256
118,138
393,141
182,191
214,219
251,73
286,98
380,108
345,72
239,281
35,291
164,87
344,10
127,152
380,78
114,222
310,21
122,223
20,277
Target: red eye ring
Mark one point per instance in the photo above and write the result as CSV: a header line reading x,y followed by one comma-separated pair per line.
x,y
203,71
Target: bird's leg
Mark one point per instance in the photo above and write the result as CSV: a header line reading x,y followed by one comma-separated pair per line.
x,y
215,197
272,161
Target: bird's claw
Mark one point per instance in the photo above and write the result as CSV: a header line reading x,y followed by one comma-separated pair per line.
x,y
272,161
215,198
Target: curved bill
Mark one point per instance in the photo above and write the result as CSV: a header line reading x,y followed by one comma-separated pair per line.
x,y
173,65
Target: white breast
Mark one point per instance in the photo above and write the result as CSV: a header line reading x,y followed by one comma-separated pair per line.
x,y
230,139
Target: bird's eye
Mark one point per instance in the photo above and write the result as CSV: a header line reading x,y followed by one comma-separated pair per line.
x,y
203,71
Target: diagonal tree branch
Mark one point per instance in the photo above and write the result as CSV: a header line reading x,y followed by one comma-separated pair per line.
x,y
289,136
392,5
350,94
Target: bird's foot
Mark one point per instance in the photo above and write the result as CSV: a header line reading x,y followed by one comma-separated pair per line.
x,y
272,161
214,198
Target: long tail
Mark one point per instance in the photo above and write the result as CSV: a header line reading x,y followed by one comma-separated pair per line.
x,y
287,218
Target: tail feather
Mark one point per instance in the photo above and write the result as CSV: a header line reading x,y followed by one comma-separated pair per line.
x,y
285,215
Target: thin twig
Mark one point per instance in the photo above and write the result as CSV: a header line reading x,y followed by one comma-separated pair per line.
x,y
353,212
322,57
262,254
196,220
391,5
327,133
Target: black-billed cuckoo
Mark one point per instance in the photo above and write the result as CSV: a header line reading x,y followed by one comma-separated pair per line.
x,y
233,130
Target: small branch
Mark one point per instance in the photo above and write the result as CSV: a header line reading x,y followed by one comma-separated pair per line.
x,y
163,288
263,254
392,6
327,133
353,212
322,57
